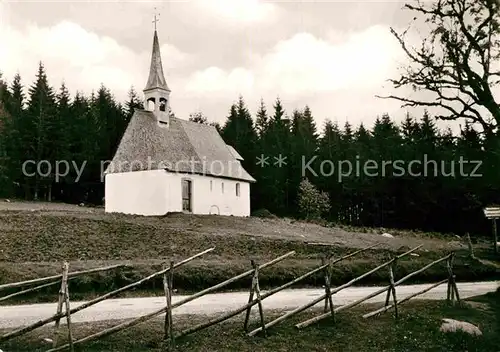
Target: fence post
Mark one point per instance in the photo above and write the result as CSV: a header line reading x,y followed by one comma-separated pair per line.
x,y
168,283
62,294
392,289
250,299
68,308
451,279
452,291
328,298
255,289
495,237
471,248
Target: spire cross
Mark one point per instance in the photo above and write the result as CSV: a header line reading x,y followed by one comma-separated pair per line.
x,y
155,18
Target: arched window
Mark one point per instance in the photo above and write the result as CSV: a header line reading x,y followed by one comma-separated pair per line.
x,y
237,190
163,104
151,104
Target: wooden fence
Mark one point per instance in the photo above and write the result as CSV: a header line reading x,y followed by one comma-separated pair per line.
x,y
169,306
391,289
51,280
64,297
328,295
63,293
326,268
256,297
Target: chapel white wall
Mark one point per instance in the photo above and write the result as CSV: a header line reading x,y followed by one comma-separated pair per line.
x,y
157,192
139,192
208,199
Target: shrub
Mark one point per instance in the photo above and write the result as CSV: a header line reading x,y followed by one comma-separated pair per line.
x,y
264,213
312,202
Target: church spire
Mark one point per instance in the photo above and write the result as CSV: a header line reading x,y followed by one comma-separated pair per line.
x,y
156,78
157,93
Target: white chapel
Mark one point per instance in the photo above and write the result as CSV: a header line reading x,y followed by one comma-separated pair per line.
x,y
165,164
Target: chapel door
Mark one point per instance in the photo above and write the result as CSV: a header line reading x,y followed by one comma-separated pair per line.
x,y
186,195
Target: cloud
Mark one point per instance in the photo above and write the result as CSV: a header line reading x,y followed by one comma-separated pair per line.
x,y
331,73
83,59
241,11
304,63
216,80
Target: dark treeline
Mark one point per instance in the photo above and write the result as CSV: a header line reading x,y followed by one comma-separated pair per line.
x,y
48,124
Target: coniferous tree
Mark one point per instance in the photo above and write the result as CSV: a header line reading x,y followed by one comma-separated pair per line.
x,y
133,102
51,126
304,144
63,122
386,147
37,132
5,177
363,152
239,132
329,158
62,126
262,120
15,113
277,151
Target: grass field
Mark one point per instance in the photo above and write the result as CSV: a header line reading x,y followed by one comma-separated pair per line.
x,y
36,237
417,329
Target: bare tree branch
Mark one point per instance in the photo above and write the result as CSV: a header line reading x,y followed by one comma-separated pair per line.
x,y
454,61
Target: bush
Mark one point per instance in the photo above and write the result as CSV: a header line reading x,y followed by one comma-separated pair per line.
x,y
312,203
264,213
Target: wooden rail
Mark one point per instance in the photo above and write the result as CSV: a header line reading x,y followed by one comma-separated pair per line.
x,y
255,297
59,277
149,316
19,293
322,297
267,294
390,290
371,295
406,299
40,323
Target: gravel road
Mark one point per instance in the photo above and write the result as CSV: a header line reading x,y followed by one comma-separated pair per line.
x,y
15,316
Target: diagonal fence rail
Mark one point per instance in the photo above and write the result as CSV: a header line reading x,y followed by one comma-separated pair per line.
x,y
56,278
90,303
269,293
256,297
63,292
149,316
391,290
337,289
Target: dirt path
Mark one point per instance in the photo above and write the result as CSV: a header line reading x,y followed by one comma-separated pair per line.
x,y
116,309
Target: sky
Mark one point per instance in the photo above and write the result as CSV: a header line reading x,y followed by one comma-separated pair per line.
x,y
334,56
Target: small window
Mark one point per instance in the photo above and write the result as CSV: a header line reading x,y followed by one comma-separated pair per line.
x,y
222,187
211,184
151,104
163,104
237,190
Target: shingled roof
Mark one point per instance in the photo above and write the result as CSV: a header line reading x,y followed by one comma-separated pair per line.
x,y
185,147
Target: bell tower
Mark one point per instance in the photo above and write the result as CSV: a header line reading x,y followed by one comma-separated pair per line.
x,y
157,93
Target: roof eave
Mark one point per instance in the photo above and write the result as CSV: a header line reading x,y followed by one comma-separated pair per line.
x,y
148,89
252,180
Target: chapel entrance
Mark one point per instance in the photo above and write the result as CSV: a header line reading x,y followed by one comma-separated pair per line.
x,y
186,195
